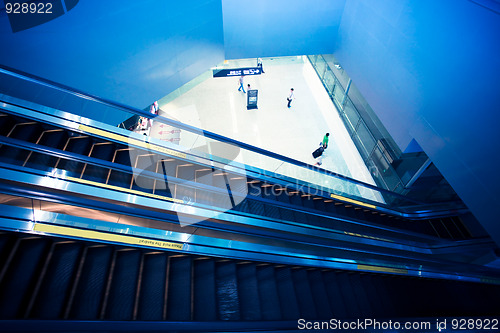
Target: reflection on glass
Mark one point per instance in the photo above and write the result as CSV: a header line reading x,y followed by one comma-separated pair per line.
x,y
366,138
338,94
329,81
352,116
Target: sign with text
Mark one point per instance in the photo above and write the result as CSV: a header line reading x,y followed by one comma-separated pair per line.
x,y
237,71
252,99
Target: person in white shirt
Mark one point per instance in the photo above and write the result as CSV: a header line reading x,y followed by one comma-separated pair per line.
x,y
290,97
241,84
259,65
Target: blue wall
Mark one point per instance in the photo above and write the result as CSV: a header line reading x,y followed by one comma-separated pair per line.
x,y
130,51
431,71
270,28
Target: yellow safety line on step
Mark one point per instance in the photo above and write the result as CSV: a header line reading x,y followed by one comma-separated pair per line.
x,y
103,236
382,269
338,197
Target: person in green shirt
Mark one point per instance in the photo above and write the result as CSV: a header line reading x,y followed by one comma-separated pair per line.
x,y
325,140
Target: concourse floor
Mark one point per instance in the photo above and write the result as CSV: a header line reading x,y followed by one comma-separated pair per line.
x,y
216,105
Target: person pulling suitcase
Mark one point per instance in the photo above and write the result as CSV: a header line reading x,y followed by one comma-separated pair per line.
x,y
317,154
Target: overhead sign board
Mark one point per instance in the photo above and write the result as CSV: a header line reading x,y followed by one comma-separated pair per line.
x,y
237,71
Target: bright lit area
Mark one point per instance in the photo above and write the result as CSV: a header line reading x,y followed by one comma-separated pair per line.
x,y
216,105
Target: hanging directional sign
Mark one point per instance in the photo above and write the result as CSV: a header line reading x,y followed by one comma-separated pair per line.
x,y
237,71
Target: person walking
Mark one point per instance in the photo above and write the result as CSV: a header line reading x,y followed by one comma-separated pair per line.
x,y
248,87
259,65
290,97
325,140
241,84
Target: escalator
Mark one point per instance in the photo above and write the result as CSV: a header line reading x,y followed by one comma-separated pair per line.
x,y
236,206
113,159
51,278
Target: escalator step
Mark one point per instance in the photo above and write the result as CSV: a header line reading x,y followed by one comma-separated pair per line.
x,y
238,183
221,181
161,187
73,168
122,156
119,178
346,289
268,192
204,197
361,295
319,294
54,289
28,131
486,296
282,196
337,303
319,205
272,211
248,292
90,290
186,172
95,173
331,208
13,155
308,202
286,214
304,294
296,200
460,225
440,228
121,299
79,145
256,208
6,244
268,293
145,164
186,193
301,217
384,295
453,229
377,302
153,283
204,290
204,176
103,151
287,295
402,296
41,161
391,292
54,138
254,189
168,166
243,207
6,124
21,276
179,289
227,291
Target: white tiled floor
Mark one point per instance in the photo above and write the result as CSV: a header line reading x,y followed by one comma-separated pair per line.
x,y
216,105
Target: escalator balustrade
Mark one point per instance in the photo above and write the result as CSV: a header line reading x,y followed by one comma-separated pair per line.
x,y
63,279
